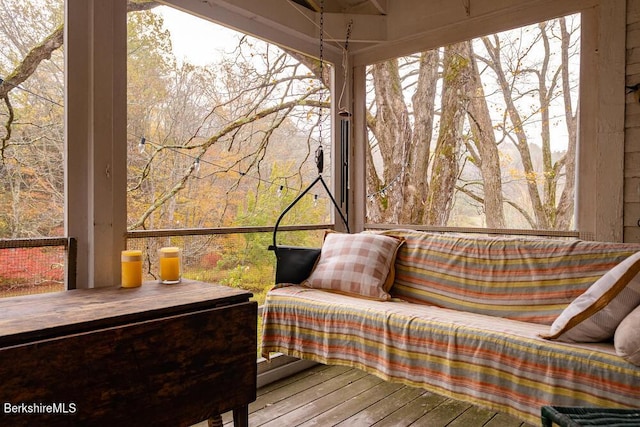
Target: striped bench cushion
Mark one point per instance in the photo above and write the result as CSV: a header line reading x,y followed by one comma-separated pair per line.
x,y
526,279
498,363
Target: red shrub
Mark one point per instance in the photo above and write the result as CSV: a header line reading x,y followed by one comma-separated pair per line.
x,y
211,259
32,264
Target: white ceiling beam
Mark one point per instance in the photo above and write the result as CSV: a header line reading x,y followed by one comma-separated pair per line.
x,y
287,24
418,25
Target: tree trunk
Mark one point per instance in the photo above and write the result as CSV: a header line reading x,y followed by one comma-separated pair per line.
x,y
486,153
545,93
415,180
566,203
446,157
521,142
392,131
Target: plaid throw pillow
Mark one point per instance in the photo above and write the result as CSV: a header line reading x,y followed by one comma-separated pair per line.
x,y
595,315
356,264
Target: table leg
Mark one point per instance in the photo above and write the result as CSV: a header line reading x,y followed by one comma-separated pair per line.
x,y
241,416
215,421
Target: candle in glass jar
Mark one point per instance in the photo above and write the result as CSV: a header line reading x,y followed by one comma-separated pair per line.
x,y
131,266
169,260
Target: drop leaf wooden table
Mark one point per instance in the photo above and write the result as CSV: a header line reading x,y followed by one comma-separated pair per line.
x,y
155,355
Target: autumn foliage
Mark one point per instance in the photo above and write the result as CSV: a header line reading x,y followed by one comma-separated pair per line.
x,y
31,270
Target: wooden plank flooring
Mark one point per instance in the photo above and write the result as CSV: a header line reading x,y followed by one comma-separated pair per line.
x,y
346,397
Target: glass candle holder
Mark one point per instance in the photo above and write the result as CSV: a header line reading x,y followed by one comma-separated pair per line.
x,y
131,263
170,265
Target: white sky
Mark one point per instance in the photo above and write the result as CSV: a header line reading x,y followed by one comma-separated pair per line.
x,y
194,39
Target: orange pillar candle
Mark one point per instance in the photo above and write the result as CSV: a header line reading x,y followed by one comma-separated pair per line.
x,y
169,265
131,262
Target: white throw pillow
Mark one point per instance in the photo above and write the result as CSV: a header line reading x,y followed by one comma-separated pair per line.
x,y
627,338
357,264
595,315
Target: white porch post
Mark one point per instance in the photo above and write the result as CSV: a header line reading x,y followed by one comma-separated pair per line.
x,y
600,165
95,127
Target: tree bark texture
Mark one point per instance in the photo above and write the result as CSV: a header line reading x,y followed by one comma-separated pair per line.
x,y
484,150
446,163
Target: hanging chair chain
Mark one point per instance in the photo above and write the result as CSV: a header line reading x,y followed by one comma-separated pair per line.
x,y
319,153
348,36
321,36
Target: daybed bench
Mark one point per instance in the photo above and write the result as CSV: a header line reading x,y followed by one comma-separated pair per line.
x,y
465,317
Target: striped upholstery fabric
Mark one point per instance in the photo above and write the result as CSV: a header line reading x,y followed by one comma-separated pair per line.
x,y
526,279
498,363
467,338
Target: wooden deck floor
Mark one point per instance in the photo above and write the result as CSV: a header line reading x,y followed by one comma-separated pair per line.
x,y
340,396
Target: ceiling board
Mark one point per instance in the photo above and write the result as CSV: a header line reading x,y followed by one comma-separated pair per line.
x,y
377,29
367,7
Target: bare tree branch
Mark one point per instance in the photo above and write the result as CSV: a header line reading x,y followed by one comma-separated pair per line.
x,y
7,126
30,63
52,42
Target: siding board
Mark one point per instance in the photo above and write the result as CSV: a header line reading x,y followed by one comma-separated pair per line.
x,y
632,126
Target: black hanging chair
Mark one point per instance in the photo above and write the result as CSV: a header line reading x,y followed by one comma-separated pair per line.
x,y
294,263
